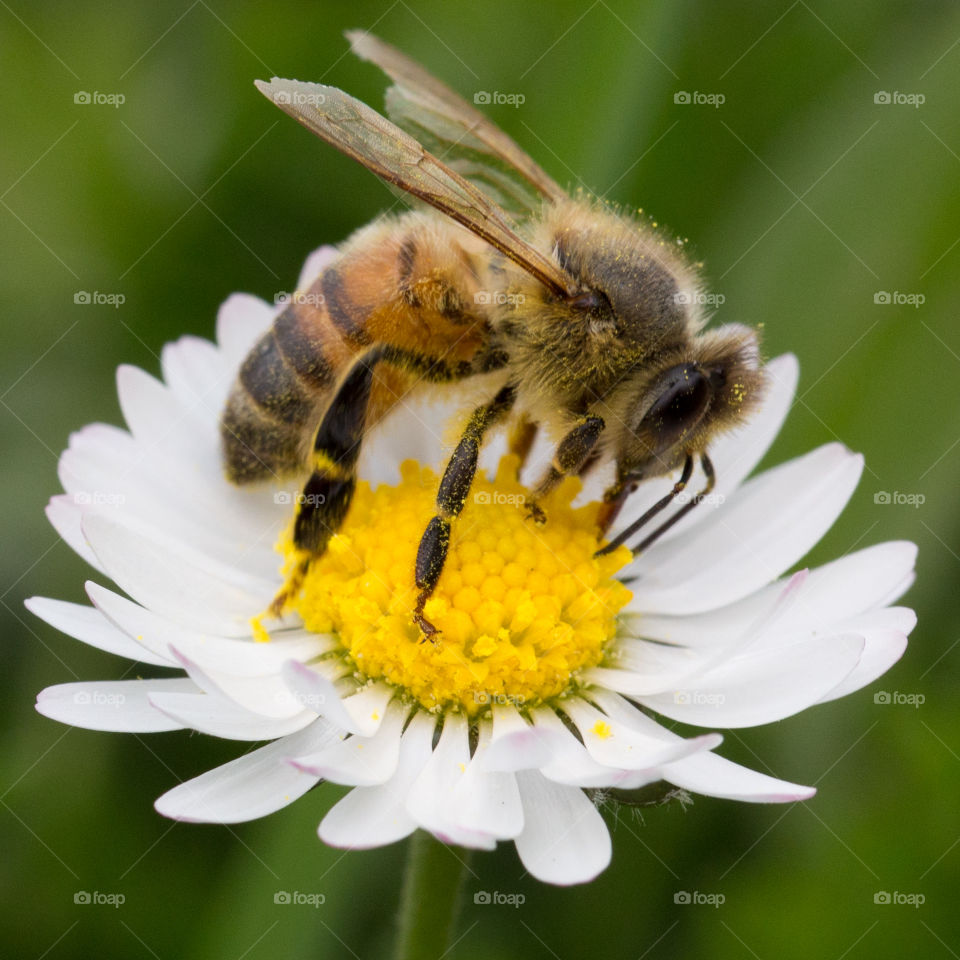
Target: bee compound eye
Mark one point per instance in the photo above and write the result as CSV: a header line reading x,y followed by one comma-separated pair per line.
x,y
683,400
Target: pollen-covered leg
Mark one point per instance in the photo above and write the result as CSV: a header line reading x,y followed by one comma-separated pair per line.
x,y
572,453
326,497
451,496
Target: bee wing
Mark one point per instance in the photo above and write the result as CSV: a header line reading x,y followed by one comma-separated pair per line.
x,y
451,128
382,147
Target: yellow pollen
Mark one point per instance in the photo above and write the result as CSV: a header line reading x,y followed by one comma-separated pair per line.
x,y
520,608
601,729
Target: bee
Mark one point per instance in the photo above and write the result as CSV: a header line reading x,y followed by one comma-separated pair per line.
x,y
578,318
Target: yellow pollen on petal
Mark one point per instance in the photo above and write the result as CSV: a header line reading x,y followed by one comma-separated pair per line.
x,y
260,634
521,608
601,729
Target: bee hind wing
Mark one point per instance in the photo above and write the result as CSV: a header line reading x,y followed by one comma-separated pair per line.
x,y
451,127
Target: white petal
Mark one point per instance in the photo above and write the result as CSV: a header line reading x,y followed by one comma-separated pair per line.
x,y
241,321
570,763
368,706
120,705
241,657
515,744
219,717
315,264
64,515
267,696
831,594
431,796
761,686
885,637
564,839
616,744
485,800
313,687
360,761
250,786
181,492
91,626
374,816
769,524
198,378
713,776
174,579
156,419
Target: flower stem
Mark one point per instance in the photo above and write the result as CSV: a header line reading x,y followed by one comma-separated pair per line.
x,y
432,888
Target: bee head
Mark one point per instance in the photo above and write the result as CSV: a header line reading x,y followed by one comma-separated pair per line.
x,y
676,406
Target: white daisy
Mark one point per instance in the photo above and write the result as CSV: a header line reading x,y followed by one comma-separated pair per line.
x,y
550,665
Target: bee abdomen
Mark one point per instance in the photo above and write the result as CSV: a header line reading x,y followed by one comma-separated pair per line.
x,y
274,401
303,343
273,384
256,446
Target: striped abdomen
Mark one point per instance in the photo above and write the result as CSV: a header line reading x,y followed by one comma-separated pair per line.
x,y
409,283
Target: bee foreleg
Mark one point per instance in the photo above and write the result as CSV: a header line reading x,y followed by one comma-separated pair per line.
x,y
451,496
660,505
572,453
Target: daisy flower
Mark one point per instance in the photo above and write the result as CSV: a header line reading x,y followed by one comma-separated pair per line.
x,y
552,664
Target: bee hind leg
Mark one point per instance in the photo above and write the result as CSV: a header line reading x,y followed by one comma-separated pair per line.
x,y
451,497
325,499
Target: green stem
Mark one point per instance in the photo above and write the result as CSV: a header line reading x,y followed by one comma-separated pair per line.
x,y
432,887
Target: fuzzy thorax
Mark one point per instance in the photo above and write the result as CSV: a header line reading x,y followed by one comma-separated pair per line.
x,y
521,608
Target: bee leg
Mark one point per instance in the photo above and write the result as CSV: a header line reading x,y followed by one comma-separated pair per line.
x,y
661,504
614,497
521,439
572,453
325,499
451,496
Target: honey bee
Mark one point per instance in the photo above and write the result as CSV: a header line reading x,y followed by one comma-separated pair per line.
x,y
583,319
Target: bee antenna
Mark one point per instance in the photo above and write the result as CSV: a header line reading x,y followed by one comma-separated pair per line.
x,y
661,504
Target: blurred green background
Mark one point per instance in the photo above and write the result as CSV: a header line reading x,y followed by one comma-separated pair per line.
x,y
803,197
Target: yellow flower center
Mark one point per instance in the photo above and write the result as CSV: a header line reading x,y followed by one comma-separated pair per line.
x,y
521,608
